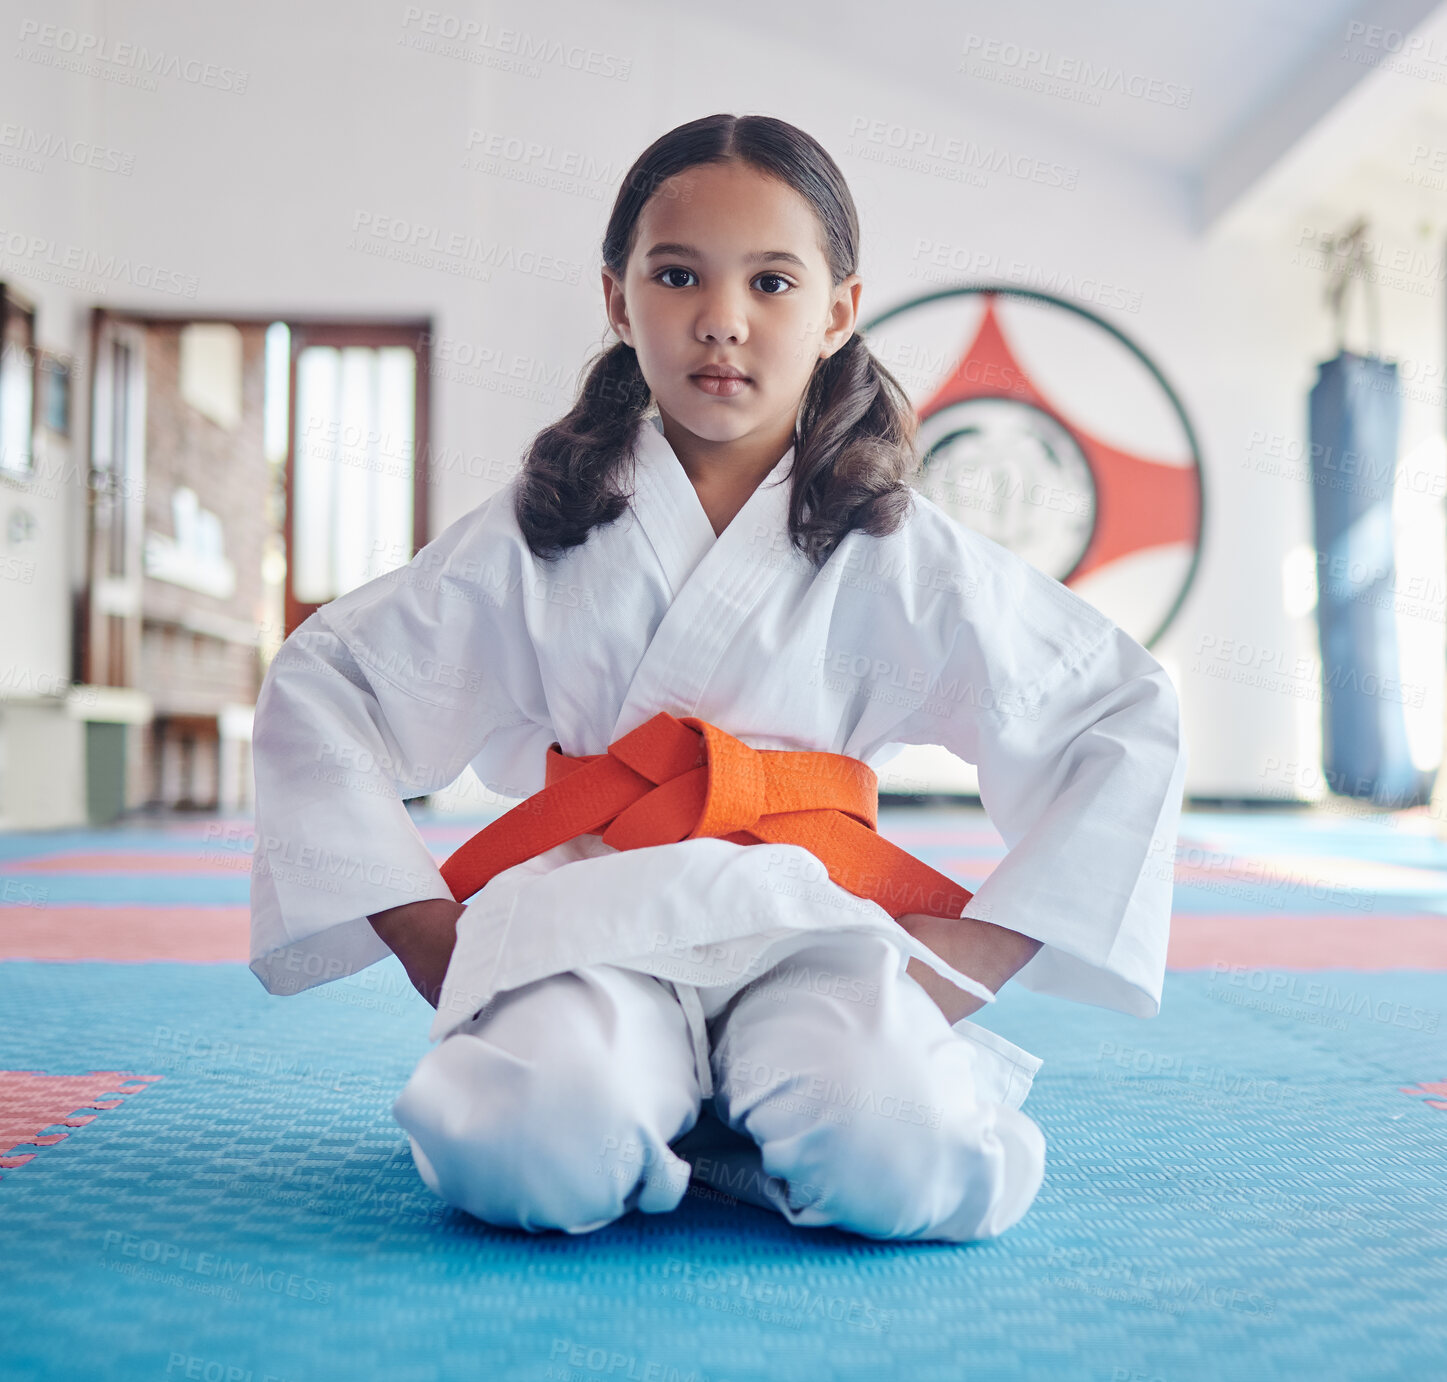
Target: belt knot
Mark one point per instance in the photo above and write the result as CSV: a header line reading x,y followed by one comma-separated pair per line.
x,y
700,781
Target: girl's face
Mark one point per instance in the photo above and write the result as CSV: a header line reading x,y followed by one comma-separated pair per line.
x,y
727,269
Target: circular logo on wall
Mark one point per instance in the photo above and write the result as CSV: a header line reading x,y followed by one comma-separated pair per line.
x,y
1045,428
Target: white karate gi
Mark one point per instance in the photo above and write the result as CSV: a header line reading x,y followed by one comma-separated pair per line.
x,y
478,653
844,1099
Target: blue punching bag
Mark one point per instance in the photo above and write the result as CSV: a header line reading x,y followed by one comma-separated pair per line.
x,y
1354,415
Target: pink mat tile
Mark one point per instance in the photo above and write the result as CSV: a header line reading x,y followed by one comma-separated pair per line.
x,y
30,1102
126,861
1319,941
126,935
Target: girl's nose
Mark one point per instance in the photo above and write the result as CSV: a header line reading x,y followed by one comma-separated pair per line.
x,y
722,318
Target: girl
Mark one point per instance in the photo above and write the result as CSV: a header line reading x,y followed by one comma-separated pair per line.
x,y
719,540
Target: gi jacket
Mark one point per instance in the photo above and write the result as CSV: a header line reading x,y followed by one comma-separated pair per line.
x,y
478,653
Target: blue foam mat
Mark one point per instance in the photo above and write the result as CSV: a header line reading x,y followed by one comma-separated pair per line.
x,y
1238,1188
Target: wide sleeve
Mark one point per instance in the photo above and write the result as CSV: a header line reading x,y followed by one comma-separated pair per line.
x,y
1076,732
386,693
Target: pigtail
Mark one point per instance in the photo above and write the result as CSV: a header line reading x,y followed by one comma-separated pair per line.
x,y
569,483
853,450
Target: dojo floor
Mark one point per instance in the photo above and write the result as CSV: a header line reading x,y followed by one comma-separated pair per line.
x,y
205,1181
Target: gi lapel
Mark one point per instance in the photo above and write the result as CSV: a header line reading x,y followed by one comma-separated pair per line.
x,y
716,581
668,506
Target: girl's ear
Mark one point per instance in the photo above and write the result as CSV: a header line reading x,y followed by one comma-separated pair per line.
x,y
616,308
843,314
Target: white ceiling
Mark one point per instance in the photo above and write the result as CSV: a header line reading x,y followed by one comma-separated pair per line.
x,y
1262,73
1233,54
1377,149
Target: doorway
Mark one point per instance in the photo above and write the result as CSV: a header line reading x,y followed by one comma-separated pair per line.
x,y
244,471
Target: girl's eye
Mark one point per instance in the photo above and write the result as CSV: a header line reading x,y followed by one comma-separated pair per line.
x,y
663,277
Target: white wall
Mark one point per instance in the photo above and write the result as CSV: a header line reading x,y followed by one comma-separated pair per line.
x,y
262,197
45,204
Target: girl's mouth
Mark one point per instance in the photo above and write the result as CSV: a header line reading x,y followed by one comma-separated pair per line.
x,y
719,386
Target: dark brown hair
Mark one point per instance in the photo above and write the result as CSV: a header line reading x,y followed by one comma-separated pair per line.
x,y
854,439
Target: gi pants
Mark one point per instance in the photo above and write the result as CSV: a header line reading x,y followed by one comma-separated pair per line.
x,y
830,1088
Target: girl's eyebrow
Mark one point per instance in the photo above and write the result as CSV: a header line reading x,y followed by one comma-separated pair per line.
x,y
688,251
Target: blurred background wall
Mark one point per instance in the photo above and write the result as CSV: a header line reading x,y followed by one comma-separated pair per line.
x,y
358,245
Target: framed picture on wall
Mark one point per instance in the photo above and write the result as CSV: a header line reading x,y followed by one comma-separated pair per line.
x,y
53,409
17,385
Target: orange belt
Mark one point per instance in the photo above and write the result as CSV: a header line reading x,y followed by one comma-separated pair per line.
x,y
680,779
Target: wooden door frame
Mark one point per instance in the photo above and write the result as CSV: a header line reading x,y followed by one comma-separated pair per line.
x,y
120,663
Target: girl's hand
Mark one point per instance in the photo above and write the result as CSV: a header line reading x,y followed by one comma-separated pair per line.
x,y
423,936
954,1002
980,949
